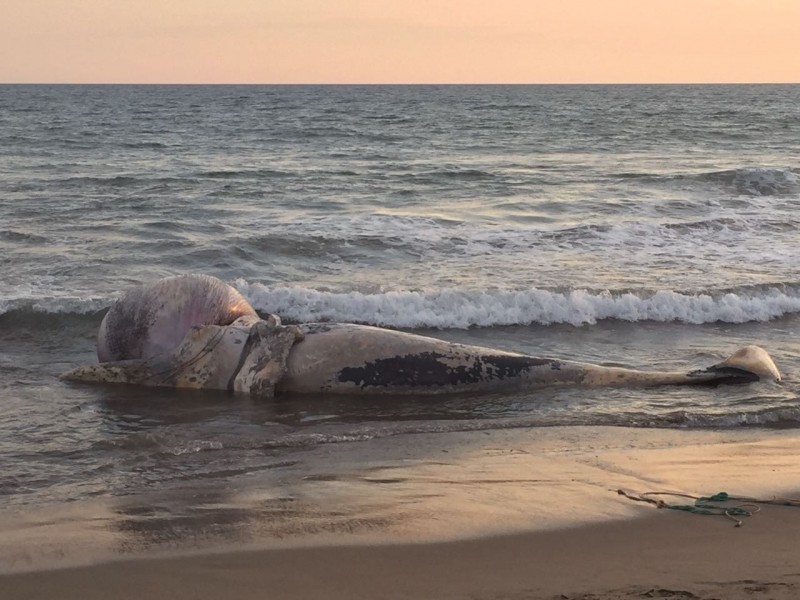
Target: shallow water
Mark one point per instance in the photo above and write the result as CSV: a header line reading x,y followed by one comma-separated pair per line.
x,y
647,226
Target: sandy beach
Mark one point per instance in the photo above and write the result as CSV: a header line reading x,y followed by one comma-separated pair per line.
x,y
660,556
514,516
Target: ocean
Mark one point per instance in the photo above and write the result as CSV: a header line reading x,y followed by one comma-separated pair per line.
x,y
653,226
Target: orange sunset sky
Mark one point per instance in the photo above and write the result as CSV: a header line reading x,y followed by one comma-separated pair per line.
x,y
399,41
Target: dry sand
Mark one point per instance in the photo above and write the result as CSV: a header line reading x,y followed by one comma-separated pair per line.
x,y
522,517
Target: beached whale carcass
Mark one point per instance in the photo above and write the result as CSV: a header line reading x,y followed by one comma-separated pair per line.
x,y
196,331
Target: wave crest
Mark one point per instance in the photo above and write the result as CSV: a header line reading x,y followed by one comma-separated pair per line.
x,y
758,181
463,309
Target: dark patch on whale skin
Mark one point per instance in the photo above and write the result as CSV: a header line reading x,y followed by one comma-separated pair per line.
x,y
722,376
252,338
433,369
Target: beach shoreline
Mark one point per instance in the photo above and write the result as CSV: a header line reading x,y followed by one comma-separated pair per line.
x,y
512,515
642,226
662,555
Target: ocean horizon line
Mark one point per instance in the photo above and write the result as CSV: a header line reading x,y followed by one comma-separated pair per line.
x,y
402,84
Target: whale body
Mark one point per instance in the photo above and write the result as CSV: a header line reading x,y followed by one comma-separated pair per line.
x,y
198,332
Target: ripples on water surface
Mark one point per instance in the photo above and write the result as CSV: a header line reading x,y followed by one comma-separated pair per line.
x,y
652,226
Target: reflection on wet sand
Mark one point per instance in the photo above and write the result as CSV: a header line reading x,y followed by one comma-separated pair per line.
x,y
420,487
213,518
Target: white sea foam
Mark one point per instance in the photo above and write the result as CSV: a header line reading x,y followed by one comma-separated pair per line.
x,y
458,308
463,309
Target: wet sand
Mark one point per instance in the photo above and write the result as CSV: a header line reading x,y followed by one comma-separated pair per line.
x,y
661,556
511,514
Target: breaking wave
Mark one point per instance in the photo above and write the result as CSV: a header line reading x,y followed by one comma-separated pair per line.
x,y
464,309
758,181
461,309
744,181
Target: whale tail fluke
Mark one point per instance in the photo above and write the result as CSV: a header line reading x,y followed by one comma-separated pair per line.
x,y
747,364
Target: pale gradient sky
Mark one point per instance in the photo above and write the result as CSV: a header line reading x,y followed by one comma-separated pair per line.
x,y
399,41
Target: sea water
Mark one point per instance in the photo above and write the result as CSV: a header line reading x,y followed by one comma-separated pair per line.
x,y
649,226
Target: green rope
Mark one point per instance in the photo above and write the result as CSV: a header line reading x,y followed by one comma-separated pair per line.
x,y
718,497
703,504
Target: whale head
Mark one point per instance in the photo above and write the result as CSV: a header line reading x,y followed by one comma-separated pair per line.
x,y
154,318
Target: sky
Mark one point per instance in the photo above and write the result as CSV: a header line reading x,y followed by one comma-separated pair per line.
x,y
399,41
